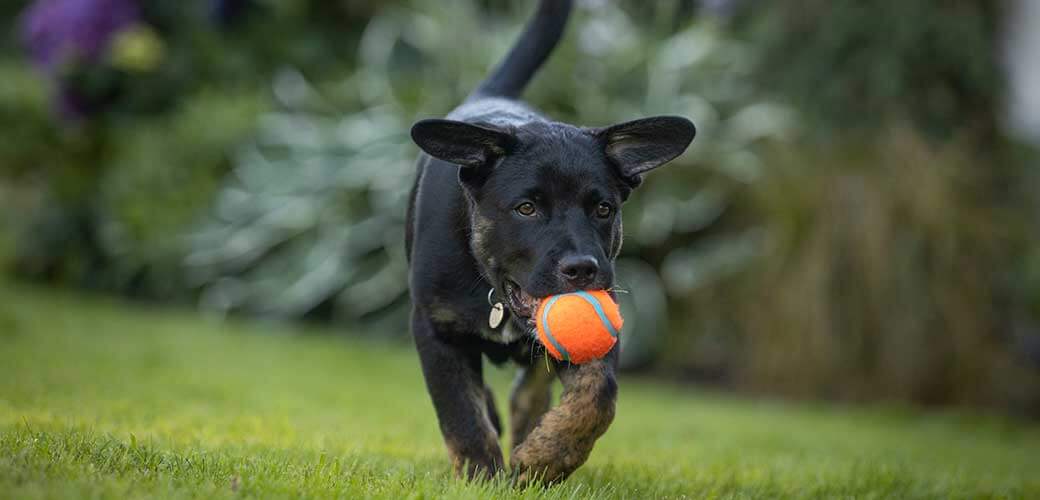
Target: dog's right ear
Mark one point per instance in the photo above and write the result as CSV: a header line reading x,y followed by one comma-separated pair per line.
x,y
461,143
639,146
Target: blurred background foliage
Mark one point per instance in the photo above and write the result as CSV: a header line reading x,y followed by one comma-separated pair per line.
x,y
853,222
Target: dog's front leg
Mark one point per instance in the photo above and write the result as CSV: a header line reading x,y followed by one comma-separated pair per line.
x,y
531,398
563,439
454,379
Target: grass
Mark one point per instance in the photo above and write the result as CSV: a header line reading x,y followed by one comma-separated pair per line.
x,y
100,399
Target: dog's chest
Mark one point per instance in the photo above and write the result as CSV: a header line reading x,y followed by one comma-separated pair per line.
x,y
471,317
506,333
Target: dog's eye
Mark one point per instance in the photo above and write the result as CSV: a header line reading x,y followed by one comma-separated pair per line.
x,y
526,209
603,210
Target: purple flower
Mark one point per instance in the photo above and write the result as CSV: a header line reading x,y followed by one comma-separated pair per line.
x,y
59,32
65,38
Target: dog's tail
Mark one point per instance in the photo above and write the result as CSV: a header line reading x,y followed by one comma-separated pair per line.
x,y
539,38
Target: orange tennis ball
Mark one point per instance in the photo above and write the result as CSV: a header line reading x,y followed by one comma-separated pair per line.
x,y
579,326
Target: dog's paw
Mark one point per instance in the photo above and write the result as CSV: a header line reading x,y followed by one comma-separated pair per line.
x,y
542,464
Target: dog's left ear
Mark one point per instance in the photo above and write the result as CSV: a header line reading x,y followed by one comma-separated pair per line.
x,y
638,146
461,143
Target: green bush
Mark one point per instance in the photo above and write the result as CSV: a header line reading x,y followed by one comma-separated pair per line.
x,y
883,276
857,65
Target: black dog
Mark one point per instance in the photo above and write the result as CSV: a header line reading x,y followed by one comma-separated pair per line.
x,y
511,207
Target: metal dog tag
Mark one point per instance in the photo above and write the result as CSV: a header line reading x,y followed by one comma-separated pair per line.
x,y
497,313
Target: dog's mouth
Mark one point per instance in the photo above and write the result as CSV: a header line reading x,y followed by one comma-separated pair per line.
x,y
520,302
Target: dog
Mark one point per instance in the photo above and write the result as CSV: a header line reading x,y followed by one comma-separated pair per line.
x,y
509,207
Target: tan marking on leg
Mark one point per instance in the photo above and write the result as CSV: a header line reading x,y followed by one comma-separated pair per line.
x,y
479,455
564,438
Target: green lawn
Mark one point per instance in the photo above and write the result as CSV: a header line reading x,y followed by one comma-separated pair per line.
x,y
101,399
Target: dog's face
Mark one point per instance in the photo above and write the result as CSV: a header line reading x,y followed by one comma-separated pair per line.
x,y
546,197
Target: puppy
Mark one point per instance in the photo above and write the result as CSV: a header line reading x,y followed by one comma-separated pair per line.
x,y
510,207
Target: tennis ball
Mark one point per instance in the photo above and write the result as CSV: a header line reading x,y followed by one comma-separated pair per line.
x,y
579,326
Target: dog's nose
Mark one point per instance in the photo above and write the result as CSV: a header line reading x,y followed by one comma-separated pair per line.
x,y
579,270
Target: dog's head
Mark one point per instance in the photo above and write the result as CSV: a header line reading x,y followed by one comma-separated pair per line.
x,y
546,197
